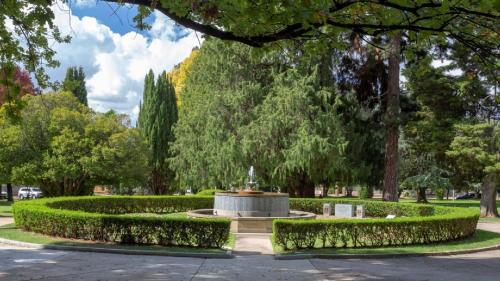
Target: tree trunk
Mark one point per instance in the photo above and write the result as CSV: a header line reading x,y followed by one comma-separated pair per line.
x,y
10,196
421,195
390,192
489,196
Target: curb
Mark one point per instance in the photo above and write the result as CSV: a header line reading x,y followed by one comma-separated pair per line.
x,y
227,255
382,256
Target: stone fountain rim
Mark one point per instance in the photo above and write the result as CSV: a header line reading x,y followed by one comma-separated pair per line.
x,y
263,194
199,214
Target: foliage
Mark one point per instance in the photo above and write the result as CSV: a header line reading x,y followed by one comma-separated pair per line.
x,y
157,116
366,192
209,192
476,149
28,33
77,218
74,82
179,74
15,81
64,148
445,225
372,208
238,112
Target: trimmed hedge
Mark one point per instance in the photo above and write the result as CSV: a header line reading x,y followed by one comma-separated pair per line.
x,y
373,208
209,192
97,218
423,224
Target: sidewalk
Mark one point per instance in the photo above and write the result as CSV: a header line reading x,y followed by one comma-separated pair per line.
x,y
253,244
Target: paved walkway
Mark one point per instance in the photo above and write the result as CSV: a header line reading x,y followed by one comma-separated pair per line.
x,y
29,264
23,264
6,220
489,226
253,244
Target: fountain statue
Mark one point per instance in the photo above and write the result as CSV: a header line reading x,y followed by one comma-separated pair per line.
x,y
252,183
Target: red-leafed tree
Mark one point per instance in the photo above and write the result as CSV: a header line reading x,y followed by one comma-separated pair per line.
x,y
15,81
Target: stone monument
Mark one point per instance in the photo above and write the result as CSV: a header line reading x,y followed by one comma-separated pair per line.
x,y
344,210
360,211
327,209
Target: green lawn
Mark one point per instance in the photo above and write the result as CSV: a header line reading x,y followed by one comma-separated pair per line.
x,y
11,232
5,208
470,203
480,239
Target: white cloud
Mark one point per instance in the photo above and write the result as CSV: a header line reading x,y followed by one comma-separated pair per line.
x,y
116,64
84,3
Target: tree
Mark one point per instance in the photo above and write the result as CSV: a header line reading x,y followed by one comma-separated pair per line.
x,y
476,149
180,72
242,109
15,82
74,82
158,114
65,148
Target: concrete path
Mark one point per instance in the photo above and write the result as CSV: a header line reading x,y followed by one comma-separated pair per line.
x,y
6,220
23,264
489,226
252,262
253,244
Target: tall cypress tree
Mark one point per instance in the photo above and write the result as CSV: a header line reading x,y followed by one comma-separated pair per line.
x,y
74,82
158,113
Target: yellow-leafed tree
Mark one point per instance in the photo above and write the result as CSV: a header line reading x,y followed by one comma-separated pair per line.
x,y
180,73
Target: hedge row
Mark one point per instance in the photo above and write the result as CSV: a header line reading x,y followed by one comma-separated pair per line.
x,y
373,208
446,224
133,204
67,217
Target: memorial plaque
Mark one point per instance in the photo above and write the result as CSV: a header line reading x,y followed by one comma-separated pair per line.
x,y
360,211
344,210
327,209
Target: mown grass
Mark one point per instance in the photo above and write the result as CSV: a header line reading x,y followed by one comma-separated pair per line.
x,y
11,232
5,208
480,239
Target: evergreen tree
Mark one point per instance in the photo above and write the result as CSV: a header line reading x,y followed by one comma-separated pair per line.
x,y
74,82
157,116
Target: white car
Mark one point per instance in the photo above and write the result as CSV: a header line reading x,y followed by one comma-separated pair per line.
x,y
29,192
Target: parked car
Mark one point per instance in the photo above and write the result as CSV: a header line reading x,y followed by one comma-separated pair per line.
x,y
29,192
468,195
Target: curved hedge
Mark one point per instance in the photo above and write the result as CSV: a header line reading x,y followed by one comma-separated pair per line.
x,y
98,218
415,224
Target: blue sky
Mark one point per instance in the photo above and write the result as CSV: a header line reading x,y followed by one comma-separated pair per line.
x,y
114,54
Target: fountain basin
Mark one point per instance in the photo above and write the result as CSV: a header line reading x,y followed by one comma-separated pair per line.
x,y
251,204
251,224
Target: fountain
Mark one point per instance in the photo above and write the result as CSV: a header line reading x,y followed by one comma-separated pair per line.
x,y
251,210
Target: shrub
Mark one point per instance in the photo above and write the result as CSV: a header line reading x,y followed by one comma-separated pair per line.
x,y
366,192
96,218
440,193
372,208
209,192
445,224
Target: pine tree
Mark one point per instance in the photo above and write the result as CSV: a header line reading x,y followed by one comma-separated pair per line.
x,y
158,114
74,82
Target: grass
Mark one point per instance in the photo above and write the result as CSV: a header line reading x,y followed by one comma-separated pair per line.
x,y
11,232
480,239
467,203
470,203
5,208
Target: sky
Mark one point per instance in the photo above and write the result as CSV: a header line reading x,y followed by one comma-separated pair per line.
x,y
114,54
